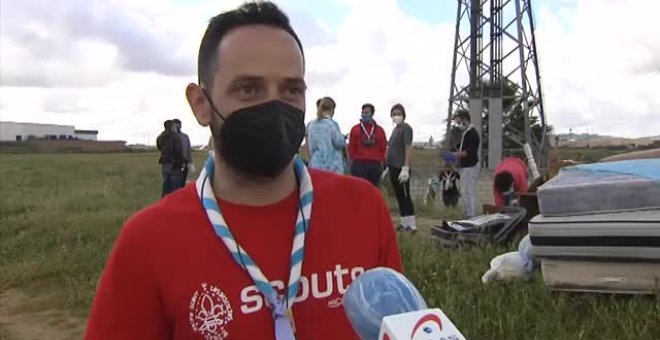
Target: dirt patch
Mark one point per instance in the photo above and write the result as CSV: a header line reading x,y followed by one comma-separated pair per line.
x,y
17,323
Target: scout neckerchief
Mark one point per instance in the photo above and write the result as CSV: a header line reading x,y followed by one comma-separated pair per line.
x,y
280,305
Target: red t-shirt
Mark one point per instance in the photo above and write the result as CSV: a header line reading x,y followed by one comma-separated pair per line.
x,y
170,277
360,152
518,169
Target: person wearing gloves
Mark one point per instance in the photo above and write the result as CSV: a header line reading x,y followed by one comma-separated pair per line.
x,y
398,166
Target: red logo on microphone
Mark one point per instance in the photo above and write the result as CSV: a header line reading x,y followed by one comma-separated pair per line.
x,y
428,317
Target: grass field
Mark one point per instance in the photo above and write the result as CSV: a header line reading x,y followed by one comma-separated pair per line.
x,y
60,214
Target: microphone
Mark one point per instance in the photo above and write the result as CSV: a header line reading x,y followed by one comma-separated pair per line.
x,y
381,304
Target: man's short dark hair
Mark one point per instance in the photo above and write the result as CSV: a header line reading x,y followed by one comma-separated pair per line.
x,y
318,102
168,124
250,13
176,121
369,106
462,114
503,181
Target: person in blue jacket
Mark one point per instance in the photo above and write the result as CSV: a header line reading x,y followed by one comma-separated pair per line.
x,y
324,139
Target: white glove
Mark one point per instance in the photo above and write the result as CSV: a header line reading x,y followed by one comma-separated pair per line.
x,y
384,174
191,168
404,176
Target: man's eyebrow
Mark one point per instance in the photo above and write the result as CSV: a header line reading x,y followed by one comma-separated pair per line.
x,y
245,77
295,81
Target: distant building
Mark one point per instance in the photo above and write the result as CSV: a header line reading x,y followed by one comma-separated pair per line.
x,y
425,145
86,134
17,132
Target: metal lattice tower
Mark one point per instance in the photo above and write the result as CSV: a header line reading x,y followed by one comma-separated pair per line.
x,y
495,76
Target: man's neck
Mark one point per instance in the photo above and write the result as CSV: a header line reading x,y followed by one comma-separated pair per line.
x,y
234,187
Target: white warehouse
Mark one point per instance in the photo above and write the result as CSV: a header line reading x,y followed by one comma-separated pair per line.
x,y
17,132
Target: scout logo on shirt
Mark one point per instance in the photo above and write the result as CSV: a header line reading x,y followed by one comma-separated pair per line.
x,y
210,312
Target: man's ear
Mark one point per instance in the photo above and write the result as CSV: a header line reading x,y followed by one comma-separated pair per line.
x,y
199,104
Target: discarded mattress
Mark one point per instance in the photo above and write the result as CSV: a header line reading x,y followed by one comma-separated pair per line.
x,y
602,187
623,235
601,276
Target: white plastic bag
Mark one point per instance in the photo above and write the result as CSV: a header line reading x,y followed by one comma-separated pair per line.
x,y
508,266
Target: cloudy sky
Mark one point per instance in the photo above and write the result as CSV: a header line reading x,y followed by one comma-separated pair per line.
x,y
121,66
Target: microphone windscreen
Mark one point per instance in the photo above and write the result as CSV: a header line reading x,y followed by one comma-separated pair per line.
x,y
378,293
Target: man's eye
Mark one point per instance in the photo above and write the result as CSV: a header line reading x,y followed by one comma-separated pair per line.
x,y
247,89
295,91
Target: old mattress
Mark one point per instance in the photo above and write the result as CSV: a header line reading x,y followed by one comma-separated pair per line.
x,y
622,235
602,187
601,276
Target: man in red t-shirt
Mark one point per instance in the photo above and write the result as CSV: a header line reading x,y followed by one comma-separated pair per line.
x,y
241,253
510,178
367,146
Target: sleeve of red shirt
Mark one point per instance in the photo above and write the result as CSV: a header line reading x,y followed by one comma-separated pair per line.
x,y
127,304
382,143
521,180
389,251
498,197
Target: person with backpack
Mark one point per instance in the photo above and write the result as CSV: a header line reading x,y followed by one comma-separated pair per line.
x,y
171,158
186,150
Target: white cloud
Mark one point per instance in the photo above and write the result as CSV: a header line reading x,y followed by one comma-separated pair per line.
x,y
598,66
600,62
389,58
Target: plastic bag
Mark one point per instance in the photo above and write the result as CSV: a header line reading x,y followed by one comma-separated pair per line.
x,y
513,265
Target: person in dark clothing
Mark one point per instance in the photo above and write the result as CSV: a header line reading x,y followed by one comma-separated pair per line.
x,y
171,158
159,139
186,150
449,180
399,153
367,145
468,162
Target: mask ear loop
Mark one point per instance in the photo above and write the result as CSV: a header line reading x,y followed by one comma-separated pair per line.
x,y
215,110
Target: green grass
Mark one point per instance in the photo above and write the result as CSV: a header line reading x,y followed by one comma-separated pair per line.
x,y
60,214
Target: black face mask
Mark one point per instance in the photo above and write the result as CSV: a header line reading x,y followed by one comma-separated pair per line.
x,y
261,140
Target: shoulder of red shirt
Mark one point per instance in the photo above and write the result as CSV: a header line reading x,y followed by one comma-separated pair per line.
x,y
184,201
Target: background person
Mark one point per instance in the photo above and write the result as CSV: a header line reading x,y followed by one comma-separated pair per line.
x,y
324,139
449,182
171,158
186,150
367,146
511,178
468,162
399,153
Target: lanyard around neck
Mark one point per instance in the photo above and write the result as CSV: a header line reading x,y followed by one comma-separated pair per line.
x,y
279,304
370,133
